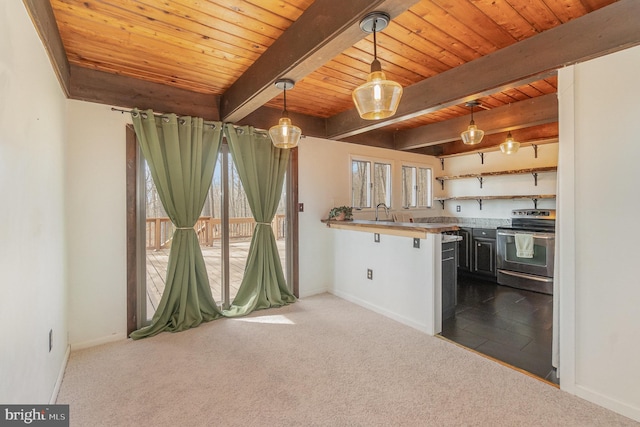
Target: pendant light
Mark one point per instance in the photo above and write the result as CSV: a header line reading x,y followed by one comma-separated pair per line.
x,y
285,134
509,146
472,135
378,98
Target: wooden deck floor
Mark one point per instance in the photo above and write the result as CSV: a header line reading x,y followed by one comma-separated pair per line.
x,y
157,269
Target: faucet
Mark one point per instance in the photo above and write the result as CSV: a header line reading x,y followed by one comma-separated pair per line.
x,y
386,209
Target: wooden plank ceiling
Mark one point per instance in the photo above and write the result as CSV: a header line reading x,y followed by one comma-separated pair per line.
x,y
218,59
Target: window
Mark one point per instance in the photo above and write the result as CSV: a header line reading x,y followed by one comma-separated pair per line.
x,y
409,187
424,190
382,184
360,184
416,187
370,187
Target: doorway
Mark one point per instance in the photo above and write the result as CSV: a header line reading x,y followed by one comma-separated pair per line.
x,y
224,230
510,325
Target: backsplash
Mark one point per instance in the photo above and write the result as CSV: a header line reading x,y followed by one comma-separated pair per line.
x,y
468,222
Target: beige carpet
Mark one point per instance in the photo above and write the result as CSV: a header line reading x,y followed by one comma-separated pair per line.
x,y
319,362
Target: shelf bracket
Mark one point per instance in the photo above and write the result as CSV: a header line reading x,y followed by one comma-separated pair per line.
x,y
480,203
481,158
442,163
535,203
441,182
535,178
481,179
535,150
442,203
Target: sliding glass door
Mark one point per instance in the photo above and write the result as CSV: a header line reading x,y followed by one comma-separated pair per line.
x,y
224,230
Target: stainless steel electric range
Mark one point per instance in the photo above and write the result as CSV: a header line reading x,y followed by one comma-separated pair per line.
x,y
526,250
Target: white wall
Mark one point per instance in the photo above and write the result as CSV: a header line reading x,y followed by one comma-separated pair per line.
x,y
497,185
96,223
33,291
598,233
324,182
406,281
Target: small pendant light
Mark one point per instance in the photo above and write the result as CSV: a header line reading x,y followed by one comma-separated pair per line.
x,y
472,135
509,146
378,98
285,134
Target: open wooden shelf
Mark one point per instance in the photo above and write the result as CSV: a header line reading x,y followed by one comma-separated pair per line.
x,y
479,199
481,176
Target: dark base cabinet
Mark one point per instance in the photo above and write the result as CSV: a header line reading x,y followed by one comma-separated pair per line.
x,y
484,251
449,279
464,249
477,252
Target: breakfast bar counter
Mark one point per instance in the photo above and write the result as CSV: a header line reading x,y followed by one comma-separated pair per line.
x,y
393,268
406,229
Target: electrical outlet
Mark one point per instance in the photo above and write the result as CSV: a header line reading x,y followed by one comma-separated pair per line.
x,y
457,208
376,237
369,274
50,339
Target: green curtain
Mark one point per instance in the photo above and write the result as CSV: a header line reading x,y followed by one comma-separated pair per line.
x,y
181,153
261,168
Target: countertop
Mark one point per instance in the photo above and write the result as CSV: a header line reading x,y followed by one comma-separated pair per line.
x,y
447,238
411,229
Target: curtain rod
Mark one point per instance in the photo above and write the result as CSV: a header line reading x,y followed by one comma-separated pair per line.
x,y
155,114
161,115
131,111
261,131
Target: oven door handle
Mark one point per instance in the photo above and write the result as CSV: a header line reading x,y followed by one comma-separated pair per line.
x,y
527,276
535,235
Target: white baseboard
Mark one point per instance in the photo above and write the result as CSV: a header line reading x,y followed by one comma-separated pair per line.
x,y
63,367
380,310
98,341
607,402
310,292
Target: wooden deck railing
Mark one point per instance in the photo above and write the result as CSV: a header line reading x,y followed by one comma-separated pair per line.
x,y
160,230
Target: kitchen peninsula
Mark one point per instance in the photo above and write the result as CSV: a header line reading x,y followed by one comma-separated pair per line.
x,y
392,268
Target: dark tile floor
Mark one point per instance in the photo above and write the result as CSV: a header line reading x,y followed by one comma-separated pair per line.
x,y
511,325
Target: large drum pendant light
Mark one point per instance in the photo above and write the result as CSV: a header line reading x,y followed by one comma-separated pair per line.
x,y
472,135
378,98
285,134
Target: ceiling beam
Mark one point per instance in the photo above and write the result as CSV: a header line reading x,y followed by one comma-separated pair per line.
x,y
265,117
44,21
381,139
598,33
540,134
326,29
522,114
128,92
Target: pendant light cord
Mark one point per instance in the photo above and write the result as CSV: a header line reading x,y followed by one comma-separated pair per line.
x,y
285,113
285,100
375,44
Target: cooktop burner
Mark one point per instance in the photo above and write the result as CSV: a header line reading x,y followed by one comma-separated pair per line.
x,y
532,220
545,229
